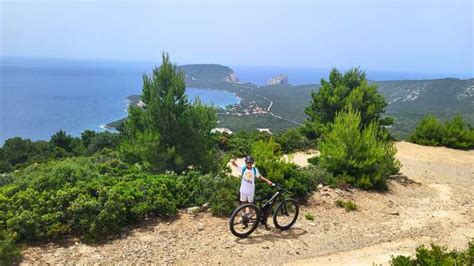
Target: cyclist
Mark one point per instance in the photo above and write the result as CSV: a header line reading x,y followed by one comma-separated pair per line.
x,y
248,175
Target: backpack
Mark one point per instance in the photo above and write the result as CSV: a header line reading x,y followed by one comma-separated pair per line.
x,y
254,171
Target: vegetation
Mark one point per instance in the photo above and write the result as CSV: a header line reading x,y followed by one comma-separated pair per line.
x,y
309,216
240,143
348,205
350,90
17,152
207,72
179,132
357,155
437,255
453,133
267,156
96,196
9,252
293,140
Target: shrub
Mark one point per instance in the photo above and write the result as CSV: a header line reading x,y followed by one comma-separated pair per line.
x,y
101,141
309,216
72,146
458,134
293,140
358,156
428,132
437,255
94,197
319,174
9,252
223,201
240,144
348,205
268,161
91,197
17,152
453,133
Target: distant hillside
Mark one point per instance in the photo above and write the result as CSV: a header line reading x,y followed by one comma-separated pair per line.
x,y
289,101
409,100
209,72
439,95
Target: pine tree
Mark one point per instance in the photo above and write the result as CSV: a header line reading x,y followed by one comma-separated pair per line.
x,y
341,92
178,130
358,155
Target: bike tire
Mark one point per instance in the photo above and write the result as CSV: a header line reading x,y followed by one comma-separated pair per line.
x,y
280,207
234,216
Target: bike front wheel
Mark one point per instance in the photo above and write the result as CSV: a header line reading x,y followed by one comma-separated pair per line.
x,y
244,220
286,214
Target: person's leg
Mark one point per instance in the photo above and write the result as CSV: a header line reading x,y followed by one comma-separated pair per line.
x,y
243,198
249,212
250,198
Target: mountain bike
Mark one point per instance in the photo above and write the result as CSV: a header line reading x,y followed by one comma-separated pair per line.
x,y
245,219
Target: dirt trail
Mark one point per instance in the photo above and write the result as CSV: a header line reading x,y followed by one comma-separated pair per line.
x,y
434,204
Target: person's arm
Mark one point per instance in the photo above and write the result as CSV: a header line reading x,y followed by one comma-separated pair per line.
x,y
234,163
266,180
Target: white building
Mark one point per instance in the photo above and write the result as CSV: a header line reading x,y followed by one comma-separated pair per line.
x,y
221,130
264,130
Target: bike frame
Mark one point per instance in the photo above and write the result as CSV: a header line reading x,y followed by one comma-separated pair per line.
x,y
264,209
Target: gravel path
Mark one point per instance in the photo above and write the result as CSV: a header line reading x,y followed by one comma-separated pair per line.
x,y
435,204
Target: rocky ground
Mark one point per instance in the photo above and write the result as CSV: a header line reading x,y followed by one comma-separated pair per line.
x,y
432,201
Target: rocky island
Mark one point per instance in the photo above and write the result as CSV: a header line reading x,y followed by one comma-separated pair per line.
x,y
277,80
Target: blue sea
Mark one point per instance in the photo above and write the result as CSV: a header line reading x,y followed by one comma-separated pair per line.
x,y
38,97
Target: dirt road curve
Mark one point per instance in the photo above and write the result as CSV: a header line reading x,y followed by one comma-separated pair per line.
x,y
434,204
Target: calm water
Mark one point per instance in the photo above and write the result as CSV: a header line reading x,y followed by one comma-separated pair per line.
x,y
40,97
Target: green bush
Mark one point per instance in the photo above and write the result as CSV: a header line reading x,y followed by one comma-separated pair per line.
x,y
240,143
348,205
428,132
458,134
358,156
223,201
95,197
82,196
319,174
268,161
309,216
9,252
293,140
437,255
17,153
453,133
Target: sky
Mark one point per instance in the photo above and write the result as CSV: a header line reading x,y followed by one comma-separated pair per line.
x,y
404,35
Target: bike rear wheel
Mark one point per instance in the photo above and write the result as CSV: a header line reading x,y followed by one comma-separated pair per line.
x,y
244,220
286,214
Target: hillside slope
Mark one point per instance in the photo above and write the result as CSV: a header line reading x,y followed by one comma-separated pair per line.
x,y
435,203
409,100
209,72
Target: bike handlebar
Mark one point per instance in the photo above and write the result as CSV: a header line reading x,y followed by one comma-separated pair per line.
x,y
280,187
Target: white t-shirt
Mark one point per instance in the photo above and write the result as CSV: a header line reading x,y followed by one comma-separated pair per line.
x,y
247,184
